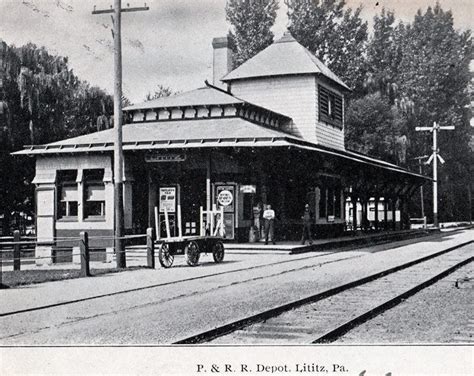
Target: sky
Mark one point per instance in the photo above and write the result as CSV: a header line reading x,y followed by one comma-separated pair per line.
x,y
169,45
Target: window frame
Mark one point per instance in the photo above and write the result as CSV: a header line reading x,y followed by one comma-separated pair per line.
x,y
89,183
68,182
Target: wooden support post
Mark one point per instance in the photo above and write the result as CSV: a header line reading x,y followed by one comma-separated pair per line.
x,y
208,183
117,130
84,248
376,213
354,213
151,199
118,148
394,217
150,248
404,214
180,229
366,215
385,213
16,250
157,223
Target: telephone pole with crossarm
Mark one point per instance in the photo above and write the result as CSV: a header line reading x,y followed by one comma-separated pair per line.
x,y
434,158
118,151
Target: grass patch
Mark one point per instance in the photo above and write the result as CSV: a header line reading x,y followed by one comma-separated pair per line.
x,y
27,277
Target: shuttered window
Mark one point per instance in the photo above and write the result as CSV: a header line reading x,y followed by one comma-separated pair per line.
x,y
330,107
67,194
94,194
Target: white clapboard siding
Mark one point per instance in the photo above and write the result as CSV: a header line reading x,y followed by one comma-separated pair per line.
x,y
296,97
293,96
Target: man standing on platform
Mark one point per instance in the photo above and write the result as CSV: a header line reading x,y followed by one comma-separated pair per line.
x,y
269,217
306,226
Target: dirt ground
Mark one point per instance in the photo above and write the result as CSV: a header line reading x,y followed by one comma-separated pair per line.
x,y
441,313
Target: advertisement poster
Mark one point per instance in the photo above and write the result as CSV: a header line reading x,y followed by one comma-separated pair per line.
x,y
225,196
168,199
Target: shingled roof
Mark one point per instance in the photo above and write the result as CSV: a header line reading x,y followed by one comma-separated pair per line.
x,y
186,133
229,132
199,97
284,57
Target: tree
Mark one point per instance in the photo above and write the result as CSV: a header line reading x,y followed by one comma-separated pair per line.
x,y
384,56
42,101
160,91
374,127
434,73
251,21
336,35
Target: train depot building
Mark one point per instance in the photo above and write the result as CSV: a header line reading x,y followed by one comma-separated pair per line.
x,y
269,132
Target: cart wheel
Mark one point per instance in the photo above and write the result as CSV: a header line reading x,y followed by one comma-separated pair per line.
x,y
164,255
191,253
218,251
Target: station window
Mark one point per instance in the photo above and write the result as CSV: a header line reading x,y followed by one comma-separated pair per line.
x,y
330,107
94,194
67,194
330,202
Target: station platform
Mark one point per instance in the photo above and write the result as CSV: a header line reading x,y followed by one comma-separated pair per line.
x,y
136,255
294,247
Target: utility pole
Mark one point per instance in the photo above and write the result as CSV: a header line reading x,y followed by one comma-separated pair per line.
x,y
118,151
434,157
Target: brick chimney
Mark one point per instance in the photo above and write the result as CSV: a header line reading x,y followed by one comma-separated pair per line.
x,y
222,61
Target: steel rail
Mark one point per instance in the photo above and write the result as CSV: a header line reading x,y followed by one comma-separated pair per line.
x,y
220,331
335,333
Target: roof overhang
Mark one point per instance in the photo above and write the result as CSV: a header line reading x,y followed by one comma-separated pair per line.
x,y
282,141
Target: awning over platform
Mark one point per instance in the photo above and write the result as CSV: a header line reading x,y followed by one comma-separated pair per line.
x,y
229,132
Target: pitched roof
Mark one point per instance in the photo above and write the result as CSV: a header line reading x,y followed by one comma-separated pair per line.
x,y
198,97
284,57
199,132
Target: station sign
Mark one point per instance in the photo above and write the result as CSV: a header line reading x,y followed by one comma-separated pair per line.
x,y
248,189
165,157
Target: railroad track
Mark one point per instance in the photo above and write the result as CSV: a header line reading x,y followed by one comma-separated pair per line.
x,y
324,317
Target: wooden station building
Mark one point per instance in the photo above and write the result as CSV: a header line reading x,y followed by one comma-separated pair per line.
x,y
269,132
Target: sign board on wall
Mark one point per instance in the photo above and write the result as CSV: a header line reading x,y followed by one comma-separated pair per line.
x,y
248,188
168,199
165,157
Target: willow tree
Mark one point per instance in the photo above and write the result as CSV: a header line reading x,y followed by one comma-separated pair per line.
x,y
41,75
41,101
